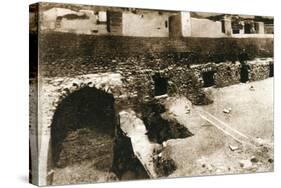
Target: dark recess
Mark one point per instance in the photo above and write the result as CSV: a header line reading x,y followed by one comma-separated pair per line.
x,y
271,70
125,164
87,108
158,128
208,78
244,73
160,84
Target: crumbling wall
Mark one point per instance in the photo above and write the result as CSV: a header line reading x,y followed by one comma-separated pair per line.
x,y
259,68
137,75
226,73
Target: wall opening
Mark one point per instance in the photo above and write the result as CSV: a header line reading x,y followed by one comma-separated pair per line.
x,y
244,73
223,26
160,84
247,28
82,132
208,78
271,70
235,31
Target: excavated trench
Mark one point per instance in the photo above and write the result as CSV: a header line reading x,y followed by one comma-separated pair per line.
x,y
158,128
86,139
125,164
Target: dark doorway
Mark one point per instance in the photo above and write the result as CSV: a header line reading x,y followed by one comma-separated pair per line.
x,y
208,78
82,136
160,84
247,28
244,73
271,70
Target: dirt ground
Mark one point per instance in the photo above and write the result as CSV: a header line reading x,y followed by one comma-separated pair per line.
x,y
86,157
246,108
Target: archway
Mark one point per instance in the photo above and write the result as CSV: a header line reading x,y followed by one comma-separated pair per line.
x,y
82,137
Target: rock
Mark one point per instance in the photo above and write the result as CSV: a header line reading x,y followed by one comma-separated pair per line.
x,y
233,148
245,164
260,141
187,109
254,159
227,110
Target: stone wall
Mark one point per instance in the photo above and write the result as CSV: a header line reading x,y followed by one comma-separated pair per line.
x,y
229,73
259,69
226,73
59,46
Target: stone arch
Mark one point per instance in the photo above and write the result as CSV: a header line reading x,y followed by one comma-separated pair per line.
x,y
86,111
51,94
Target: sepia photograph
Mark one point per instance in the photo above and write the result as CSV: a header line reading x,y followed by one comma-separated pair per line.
x,y
122,93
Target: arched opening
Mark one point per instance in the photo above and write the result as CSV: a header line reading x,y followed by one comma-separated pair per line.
x,y
208,78
82,137
160,84
244,73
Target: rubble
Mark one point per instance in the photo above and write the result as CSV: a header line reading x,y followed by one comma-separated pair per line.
x,y
252,88
227,110
254,159
164,166
246,164
233,148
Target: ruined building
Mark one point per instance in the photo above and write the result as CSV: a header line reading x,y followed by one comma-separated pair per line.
x,y
122,59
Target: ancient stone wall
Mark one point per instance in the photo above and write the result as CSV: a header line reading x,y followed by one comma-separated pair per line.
x,y
226,73
259,68
229,73
58,46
